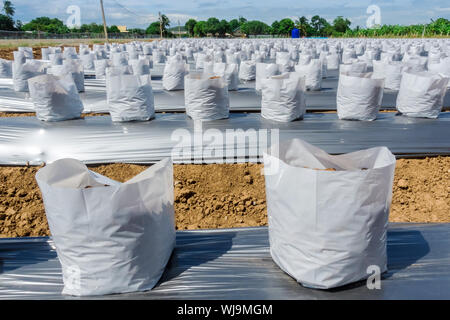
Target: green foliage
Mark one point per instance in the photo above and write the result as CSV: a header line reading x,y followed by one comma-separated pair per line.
x,y
254,27
190,24
440,27
274,28
319,26
137,31
113,29
8,8
153,28
286,26
223,28
341,25
234,24
157,26
46,24
303,25
6,23
200,29
164,21
212,26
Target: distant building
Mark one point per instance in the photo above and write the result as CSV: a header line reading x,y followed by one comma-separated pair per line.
x,y
122,28
176,32
237,33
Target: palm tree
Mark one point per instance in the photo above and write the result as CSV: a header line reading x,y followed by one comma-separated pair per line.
x,y
8,8
301,23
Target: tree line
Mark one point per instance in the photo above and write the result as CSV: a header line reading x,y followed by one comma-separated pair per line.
x,y
315,27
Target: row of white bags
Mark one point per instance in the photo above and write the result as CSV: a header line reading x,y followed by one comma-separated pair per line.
x,y
129,97
359,96
337,233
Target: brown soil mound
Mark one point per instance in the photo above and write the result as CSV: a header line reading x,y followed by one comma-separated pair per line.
x,y
421,190
225,196
16,114
7,53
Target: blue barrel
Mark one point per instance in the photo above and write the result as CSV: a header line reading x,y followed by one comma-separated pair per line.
x,y
295,33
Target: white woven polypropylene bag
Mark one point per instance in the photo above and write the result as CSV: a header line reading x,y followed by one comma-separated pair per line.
x,y
356,67
247,70
265,71
174,72
327,227
443,68
88,61
5,68
110,237
333,61
140,67
283,97
312,73
421,94
100,68
359,96
75,68
24,71
229,72
129,97
205,97
55,98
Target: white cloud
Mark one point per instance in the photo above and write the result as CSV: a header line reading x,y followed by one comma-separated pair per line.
x,y
442,9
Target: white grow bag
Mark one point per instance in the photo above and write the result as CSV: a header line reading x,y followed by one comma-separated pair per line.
x,y
24,71
205,97
327,227
55,98
421,94
283,97
130,97
5,68
312,73
247,70
229,72
110,237
174,72
359,96
265,71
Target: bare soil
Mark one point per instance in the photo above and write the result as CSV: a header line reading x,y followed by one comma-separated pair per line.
x,y
8,46
226,195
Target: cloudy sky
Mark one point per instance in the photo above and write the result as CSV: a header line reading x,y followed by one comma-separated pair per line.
x,y
140,13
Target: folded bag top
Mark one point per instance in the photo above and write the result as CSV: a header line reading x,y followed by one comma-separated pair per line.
x,y
110,237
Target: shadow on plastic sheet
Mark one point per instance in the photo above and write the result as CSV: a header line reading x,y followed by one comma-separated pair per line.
x,y
404,248
14,255
447,98
195,249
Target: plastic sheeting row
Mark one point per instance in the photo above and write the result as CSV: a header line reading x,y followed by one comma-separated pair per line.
x,y
417,258
98,140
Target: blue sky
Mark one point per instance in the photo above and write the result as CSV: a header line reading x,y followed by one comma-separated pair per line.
x,y
140,13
